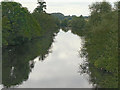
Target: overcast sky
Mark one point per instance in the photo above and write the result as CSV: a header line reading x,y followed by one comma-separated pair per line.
x,y
67,7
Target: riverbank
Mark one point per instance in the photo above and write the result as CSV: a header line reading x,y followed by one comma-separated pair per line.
x,y
100,30
101,47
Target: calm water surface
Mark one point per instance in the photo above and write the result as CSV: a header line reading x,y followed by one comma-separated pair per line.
x,y
60,68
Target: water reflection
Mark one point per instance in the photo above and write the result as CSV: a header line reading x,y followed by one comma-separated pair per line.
x,y
99,78
18,60
24,67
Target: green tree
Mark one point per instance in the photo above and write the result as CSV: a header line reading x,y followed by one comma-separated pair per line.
x,y
102,46
64,23
97,9
100,7
48,23
78,25
18,24
18,63
41,7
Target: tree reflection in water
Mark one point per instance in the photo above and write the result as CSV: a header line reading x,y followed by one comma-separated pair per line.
x,y
99,78
18,60
18,63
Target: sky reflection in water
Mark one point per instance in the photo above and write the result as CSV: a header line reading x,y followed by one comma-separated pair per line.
x,y
60,68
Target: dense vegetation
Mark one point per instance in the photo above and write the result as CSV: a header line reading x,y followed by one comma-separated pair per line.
x,y
78,25
64,20
20,26
60,16
101,35
102,41
100,31
18,61
48,23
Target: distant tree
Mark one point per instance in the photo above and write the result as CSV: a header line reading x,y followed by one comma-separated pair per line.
x,y
41,7
64,23
78,24
60,16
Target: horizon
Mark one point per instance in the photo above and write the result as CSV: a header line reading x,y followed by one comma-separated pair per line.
x,y
73,7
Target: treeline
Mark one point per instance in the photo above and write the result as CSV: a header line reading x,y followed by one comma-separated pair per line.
x,y
101,42
65,21
19,25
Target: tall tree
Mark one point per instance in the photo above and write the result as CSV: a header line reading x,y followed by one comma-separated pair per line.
x,y
100,7
41,7
97,9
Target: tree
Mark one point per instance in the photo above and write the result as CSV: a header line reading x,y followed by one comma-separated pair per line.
x,y
78,25
18,24
100,7
116,5
41,7
64,23
97,10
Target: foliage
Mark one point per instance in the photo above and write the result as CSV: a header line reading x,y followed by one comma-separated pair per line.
x,y
100,31
48,23
41,7
18,63
101,34
64,23
102,44
64,20
19,27
100,8
18,24
78,25
59,16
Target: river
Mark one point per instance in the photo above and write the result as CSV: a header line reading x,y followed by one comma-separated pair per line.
x,y
57,67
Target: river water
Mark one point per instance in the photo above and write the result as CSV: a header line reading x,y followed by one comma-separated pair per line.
x,y
60,67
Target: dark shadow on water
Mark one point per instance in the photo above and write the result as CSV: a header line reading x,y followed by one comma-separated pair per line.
x,y
18,60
